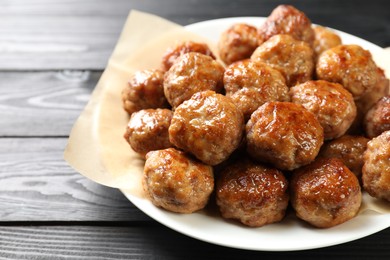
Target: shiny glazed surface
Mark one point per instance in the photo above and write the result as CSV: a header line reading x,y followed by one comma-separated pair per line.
x,y
191,73
238,43
286,19
331,103
147,130
252,193
144,90
349,65
293,58
376,168
252,83
173,53
208,125
284,134
325,193
177,182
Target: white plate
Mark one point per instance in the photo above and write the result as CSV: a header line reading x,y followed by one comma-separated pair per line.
x,y
290,234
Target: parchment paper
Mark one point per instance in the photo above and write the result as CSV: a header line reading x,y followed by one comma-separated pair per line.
x,y
96,147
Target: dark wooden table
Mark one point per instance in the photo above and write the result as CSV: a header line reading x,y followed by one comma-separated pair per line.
x,y
51,55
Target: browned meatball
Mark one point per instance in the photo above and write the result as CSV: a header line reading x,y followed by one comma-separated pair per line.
x,y
208,125
380,90
293,58
324,39
349,65
332,104
172,54
367,101
325,193
285,19
377,119
145,90
191,73
238,43
252,83
349,149
176,182
284,134
148,130
254,194
376,168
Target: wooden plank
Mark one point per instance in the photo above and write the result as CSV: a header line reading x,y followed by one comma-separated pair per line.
x,y
155,242
36,184
45,103
47,34
49,42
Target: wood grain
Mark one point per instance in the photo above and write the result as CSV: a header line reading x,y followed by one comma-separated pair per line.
x,y
155,242
47,34
44,103
48,42
36,184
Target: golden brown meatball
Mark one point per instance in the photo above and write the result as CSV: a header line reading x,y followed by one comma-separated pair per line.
x,y
191,73
148,130
349,65
252,83
176,182
293,58
284,134
208,125
349,149
376,168
324,39
377,119
331,103
285,19
172,54
238,43
325,193
254,194
145,90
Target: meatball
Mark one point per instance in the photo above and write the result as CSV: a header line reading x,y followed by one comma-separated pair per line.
x,y
324,39
238,43
176,182
254,194
332,104
380,90
148,130
285,19
284,134
367,101
376,167
191,73
349,149
349,65
251,83
325,193
293,58
208,125
172,54
377,119
145,90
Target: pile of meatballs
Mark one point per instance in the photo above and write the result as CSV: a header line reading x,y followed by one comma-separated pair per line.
x,y
287,116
